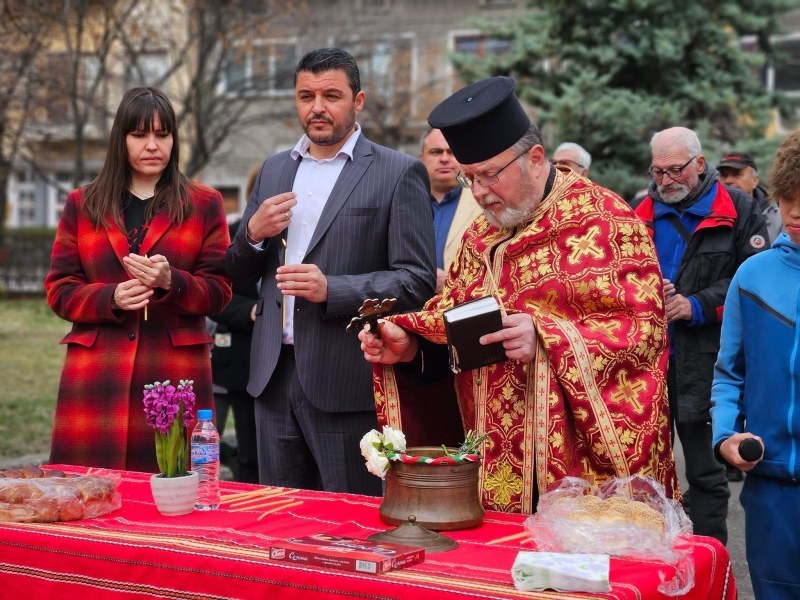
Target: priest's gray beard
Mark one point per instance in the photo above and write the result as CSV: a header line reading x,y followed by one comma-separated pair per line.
x,y
513,216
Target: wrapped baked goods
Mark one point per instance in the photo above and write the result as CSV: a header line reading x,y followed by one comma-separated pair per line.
x,y
34,495
32,472
630,517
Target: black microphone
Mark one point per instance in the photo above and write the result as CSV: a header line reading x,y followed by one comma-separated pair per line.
x,y
750,449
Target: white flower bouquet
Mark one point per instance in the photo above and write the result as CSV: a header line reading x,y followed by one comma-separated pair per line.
x,y
378,448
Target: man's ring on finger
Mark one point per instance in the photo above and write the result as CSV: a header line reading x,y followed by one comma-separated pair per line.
x,y
286,215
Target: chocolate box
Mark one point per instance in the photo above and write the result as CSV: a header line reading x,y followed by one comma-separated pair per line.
x,y
349,554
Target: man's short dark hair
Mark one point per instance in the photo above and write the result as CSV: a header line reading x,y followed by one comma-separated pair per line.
x,y
331,59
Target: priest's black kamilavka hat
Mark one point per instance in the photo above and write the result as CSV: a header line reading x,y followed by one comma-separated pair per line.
x,y
481,120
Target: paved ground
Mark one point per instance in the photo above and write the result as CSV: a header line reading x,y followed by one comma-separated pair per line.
x,y
735,530
736,544
735,514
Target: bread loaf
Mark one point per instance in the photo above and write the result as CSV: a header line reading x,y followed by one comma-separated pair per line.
x,y
35,495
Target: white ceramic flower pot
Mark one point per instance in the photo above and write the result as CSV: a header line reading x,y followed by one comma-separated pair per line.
x,y
174,495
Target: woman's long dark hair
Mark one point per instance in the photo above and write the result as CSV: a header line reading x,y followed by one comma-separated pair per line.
x,y
106,194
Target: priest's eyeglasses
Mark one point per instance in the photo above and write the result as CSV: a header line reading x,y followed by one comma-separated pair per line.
x,y
485,180
673,172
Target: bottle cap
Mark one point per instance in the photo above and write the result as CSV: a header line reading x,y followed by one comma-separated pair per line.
x,y
204,414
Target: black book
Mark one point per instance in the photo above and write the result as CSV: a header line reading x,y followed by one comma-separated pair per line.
x,y
464,325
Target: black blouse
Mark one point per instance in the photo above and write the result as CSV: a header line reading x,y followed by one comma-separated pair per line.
x,y
134,215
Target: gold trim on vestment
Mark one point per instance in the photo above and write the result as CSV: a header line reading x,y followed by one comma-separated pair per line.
x,y
541,413
392,398
605,423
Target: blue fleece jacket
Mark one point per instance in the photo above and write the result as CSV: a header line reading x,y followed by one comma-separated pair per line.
x,y
757,375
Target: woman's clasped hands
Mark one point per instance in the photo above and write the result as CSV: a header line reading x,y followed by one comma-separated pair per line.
x,y
147,274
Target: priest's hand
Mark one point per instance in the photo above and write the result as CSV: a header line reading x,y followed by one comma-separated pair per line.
x,y
518,337
395,344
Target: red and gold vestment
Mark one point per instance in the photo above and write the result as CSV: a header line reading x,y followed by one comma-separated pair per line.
x,y
593,402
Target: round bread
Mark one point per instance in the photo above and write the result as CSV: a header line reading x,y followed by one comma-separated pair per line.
x,y
614,510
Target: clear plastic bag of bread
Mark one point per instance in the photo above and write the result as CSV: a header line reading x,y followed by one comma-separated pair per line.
x,y
35,495
630,517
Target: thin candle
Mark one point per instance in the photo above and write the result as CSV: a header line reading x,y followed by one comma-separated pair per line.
x,y
277,508
283,302
145,306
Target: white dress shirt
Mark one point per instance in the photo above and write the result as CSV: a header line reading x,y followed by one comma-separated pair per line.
x,y
313,183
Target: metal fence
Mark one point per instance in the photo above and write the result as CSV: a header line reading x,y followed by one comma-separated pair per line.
x,y
24,261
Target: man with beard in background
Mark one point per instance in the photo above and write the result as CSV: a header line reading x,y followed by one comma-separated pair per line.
x,y
702,232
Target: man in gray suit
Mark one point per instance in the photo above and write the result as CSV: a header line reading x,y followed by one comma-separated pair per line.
x,y
334,221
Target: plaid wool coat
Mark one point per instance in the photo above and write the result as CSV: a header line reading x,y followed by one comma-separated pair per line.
x,y
112,353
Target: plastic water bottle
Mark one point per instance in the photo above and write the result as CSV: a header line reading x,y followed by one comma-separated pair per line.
x,y
205,461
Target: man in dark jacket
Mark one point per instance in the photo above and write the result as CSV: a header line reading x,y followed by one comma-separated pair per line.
x,y
230,370
738,169
702,232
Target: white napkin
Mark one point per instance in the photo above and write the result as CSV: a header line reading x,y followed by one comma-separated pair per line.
x,y
533,571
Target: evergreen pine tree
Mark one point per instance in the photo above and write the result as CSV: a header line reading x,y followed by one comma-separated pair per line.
x,y
607,74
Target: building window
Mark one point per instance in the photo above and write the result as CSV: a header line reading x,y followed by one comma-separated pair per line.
x,y
386,67
479,45
22,199
61,186
26,208
26,199
261,68
148,70
786,71
58,84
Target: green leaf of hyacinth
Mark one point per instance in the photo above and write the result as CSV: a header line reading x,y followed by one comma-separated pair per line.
x,y
174,439
181,455
161,443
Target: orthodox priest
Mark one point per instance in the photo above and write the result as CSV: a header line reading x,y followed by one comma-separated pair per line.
x,y
582,391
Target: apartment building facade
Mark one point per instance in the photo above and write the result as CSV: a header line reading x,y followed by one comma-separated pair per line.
x,y
403,48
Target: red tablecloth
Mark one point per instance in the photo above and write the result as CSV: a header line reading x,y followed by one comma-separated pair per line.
x,y
135,552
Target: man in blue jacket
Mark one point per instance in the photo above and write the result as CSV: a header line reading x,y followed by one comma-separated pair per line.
x,y
702,232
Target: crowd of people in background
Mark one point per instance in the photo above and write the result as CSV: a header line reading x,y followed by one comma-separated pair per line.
x,y
694,316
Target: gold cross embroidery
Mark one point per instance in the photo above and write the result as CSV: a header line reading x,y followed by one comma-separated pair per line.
x,y
647,287
549,307
504,483
585,245
607,328
629,392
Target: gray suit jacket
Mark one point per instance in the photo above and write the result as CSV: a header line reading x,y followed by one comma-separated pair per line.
x,y
374,239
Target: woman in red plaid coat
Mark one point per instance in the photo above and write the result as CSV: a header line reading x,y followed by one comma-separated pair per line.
x,y
138,262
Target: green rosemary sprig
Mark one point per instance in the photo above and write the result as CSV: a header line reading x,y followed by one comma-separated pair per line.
x,y
470,445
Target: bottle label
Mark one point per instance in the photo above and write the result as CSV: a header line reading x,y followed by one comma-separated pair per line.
x,y
203,454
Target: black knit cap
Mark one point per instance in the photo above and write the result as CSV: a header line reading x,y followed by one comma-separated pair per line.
x,y
481,120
